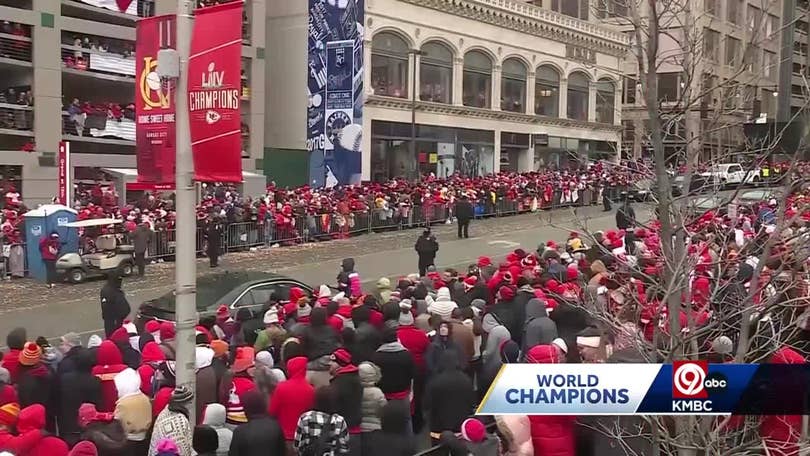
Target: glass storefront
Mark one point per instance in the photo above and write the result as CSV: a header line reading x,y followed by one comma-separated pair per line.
x,y
557,152
439,150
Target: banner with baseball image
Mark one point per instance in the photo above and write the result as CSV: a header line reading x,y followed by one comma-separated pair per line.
x,y
214,89
335,109
154,102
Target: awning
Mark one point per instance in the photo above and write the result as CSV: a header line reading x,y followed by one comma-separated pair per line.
x,y
130,178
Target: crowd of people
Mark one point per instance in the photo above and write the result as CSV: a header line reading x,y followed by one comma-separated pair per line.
x,y
80,116
365,372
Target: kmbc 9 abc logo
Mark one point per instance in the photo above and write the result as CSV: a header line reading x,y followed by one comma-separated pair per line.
x,y
691,380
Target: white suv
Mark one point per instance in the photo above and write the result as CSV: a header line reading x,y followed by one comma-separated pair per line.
x,y
731,173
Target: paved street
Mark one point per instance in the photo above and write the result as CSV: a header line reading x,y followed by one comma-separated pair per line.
x,y
52,312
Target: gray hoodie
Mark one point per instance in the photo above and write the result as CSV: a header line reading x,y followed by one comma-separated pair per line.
x,y
373,397
539,328
215,417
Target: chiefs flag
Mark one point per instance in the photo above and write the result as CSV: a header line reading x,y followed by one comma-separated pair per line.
x,y
214,89
154,103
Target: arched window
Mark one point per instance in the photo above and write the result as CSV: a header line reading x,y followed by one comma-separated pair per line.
x,y
578,96
547,92
477,90
605,101
513,86
389,65
436,73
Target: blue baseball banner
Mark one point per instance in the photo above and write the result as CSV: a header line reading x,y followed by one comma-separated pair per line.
x,y
335,85
685,387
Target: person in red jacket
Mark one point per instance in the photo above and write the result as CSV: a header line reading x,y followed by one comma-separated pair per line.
x,y
781,433
551,435
109,362
292,398
151,357
49,251
11,361
32,418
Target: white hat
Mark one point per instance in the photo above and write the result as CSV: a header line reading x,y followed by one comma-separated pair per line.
x,y
559,343
271,316
324,292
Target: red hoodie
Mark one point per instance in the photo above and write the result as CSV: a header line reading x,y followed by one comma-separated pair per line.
x,y
296,293
781,432
292,397
32,418
151,356
11,361
417,343
109,362
551,435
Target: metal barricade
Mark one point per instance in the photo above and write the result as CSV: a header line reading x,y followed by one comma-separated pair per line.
x,y
384,219
506,207
242,236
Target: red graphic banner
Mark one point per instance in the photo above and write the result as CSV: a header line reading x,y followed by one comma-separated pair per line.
x,y
214,89
63,179
154,102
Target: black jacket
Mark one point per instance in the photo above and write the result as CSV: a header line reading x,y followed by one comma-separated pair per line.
x,y
114,304
395,438
449,396
109,438
319,341
426,247
141,238
463,210
349,396
522,297
74,389
260,436
214,236
398,370
367,340
35,385
479,291
625,217
70,362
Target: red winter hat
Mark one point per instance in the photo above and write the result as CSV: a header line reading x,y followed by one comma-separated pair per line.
x,y
167,331
342,357
506,293
119,335
484,261
572,273
529,261
152,326
473,430
471,281
223,312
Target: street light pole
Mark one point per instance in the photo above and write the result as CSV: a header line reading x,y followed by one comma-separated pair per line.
x,y
186,232
414,53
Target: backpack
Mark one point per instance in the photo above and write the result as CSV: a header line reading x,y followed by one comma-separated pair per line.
x,y
321,446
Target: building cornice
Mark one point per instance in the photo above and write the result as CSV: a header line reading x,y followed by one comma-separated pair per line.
x,y
528,18
489,114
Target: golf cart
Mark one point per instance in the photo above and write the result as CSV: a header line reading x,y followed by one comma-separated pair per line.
x,y
106,258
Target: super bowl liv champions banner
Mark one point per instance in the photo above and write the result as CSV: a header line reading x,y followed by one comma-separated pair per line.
x,y
335,86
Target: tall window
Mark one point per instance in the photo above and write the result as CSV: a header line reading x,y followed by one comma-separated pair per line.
x,y
668,87
768,64
477,84
629,88
436,73
389,65
578,96
734,10
573,8
547,92
605,101
513,86
732,51
711,44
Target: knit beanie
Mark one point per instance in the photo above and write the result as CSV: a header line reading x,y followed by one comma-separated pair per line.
x,y
271,316
342,357
167,447
264,358
304,309
722,345
181,395
167,331
94,341
473,430
9,413
84,448
31,354
405,316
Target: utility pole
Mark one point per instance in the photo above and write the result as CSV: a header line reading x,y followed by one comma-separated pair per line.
x,y
186,233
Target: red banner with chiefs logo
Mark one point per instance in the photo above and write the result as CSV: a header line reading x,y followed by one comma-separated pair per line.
x,y
214,90
154,102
